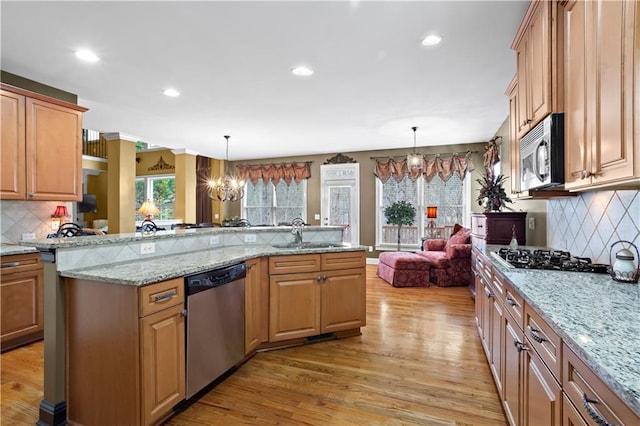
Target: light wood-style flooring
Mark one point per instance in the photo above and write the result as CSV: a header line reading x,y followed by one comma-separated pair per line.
x,y
419,361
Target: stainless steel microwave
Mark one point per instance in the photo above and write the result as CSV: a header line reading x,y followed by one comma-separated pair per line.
x,y
542,154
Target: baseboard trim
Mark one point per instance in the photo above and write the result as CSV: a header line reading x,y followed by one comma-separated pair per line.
x,y
52,414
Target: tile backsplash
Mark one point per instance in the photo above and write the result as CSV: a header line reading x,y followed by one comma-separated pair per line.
x,y
587,225
19,217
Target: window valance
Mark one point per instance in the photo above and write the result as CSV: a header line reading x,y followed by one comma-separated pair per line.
x,y
443,166
274,172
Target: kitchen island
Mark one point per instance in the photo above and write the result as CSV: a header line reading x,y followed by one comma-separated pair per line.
x,y
596,319
123,273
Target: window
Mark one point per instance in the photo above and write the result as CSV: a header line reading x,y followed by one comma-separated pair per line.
x,y
269,204
160,189
452,198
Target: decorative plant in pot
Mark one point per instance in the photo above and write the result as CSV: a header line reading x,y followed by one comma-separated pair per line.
x,y
492,195
400,213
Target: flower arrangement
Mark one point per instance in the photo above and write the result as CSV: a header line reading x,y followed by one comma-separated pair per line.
x,y
492,194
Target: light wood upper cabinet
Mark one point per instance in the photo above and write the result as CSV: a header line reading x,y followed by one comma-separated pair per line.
x,y
602,146
12,175
514,145
42,147
536,66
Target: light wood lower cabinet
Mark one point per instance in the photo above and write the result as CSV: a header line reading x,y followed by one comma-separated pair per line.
x,y
316,294
125,351
21,295
539,379
256,304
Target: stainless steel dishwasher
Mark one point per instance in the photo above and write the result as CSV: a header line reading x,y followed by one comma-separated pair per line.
x,y
215,324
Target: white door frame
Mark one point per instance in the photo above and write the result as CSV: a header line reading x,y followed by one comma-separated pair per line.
x,y
347,174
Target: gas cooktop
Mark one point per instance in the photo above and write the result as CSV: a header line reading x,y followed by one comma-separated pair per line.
x,y
555,260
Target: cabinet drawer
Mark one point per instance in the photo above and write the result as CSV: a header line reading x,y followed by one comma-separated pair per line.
x,y
514,304
484,268
478,226
294,264
20,263
344,260
595,402
544,340
156,297
498,285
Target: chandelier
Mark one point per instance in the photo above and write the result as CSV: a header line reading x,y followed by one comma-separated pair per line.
x,y
414,159
228,187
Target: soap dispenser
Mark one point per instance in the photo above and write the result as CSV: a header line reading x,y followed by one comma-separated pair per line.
x,y
514,241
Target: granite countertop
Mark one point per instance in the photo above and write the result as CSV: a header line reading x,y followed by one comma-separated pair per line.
x,y
93,240
142,272
597,317
9,249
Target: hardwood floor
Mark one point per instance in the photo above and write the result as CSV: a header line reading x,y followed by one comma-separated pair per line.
x,y
419,361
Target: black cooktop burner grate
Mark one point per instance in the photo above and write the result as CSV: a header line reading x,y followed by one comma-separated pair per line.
x,y
556,260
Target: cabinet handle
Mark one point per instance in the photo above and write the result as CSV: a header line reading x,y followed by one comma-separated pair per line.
x,y
319,278
488,293
324,278
184,313
520,346
510,301
586,401
31,194
480,226
533,333
10,264
164,297
249,266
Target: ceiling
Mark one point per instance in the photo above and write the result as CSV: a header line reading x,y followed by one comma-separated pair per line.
x,y
231,62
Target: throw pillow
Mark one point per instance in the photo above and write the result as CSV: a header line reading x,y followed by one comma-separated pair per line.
x,y
456,228
462,236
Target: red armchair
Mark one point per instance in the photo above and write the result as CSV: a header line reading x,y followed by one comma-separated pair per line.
x,y
450,259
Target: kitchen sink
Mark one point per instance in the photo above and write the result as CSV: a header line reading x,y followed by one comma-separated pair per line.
x,y
306,245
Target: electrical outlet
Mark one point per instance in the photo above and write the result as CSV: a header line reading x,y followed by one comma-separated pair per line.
x,y
216,216
316,216
250,238
55,225
29,236
147,248
370,248
532,223
214,240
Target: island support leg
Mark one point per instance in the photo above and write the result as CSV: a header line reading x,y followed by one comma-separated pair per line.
x,y
53,408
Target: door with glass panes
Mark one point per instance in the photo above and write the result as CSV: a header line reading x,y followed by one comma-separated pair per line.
x,y
340,205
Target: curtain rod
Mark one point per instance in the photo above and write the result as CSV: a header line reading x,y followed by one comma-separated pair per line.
x,y
435,155
274,164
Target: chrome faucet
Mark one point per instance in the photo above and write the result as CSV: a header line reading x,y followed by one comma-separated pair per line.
x,y
297,225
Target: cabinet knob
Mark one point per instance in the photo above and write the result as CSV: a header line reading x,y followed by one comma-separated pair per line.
x,y
184,313
31,194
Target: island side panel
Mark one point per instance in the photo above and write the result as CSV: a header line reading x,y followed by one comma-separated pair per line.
x,y
103,357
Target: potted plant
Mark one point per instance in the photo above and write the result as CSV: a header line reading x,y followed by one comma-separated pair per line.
x,y
400,213
492,195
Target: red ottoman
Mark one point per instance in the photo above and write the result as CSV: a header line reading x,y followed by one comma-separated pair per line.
x,y
404,269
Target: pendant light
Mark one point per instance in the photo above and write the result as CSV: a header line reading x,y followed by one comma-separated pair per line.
x,y
228,187
414,160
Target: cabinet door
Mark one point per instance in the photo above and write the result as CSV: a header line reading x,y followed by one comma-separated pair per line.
x,y
511,368
523,123
343,300
570,416
54,152
576,149
539,64
253,303
542,396
485,316
12,145
294,305
613,77
22,307
496,342
163,363
514,145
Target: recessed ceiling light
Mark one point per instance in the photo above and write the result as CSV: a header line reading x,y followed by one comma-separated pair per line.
x,y
87,55
302,71
431,40
171,92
